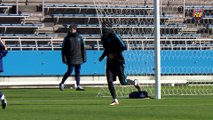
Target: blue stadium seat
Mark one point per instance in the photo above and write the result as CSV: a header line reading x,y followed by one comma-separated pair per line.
x,y
199,7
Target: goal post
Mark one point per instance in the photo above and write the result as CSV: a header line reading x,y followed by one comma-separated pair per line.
x,y
157,49
169,53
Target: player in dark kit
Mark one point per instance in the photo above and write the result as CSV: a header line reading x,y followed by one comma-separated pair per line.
x,y
3,53
3,100
113,48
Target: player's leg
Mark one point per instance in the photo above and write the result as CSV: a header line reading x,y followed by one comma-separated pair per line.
x,y
123,77
77,77
66,75
113,93
111,76
3,100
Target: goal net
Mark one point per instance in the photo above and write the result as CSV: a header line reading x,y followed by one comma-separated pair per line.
x,y
186,44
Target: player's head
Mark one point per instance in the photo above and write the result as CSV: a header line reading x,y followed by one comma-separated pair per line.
x,y
106,27
73,27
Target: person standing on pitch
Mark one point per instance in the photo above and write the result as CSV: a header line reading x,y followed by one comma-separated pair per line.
x,y
3,53
73,55
113,48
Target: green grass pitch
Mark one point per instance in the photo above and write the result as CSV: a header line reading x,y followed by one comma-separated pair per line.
x,y
52,104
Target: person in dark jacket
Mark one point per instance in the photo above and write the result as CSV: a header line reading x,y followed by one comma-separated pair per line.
x,y
113,48
3,53
73,55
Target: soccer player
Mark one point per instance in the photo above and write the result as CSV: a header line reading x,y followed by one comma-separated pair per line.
x,y
3,100
113,48
73,54
3,53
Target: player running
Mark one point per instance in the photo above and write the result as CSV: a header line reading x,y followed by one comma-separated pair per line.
x,y
113,48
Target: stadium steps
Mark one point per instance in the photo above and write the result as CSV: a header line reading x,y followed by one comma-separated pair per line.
x,y
48,27
47,30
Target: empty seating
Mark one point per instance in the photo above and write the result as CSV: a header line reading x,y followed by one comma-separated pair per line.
x,y
87,9
135,25
4,8
19,28
34,36
12,18
141,28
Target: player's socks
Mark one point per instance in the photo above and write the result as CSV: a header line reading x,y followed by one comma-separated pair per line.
x,y
3,101
136,84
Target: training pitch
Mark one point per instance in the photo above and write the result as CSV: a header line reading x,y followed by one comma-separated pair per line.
x,y
52,104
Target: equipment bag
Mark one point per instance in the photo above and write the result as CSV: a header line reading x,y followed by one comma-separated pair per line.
x,y
141,95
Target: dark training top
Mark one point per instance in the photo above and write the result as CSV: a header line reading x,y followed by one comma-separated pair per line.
x,y
113,44
73,49
3,53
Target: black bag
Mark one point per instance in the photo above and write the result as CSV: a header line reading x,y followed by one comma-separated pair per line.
x,y
141,95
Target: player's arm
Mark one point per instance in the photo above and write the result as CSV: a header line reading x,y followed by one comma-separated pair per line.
x,y
2,45
3,49
64,51
83,50
102,56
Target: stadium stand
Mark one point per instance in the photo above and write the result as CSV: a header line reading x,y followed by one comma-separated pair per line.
x,y
30,31
58,14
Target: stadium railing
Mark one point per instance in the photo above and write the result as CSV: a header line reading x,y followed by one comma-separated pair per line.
x,y
147,36
90,6
14,15
129,26
50,42
29,41
94,44
29,44
21,25
106,16
198,7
